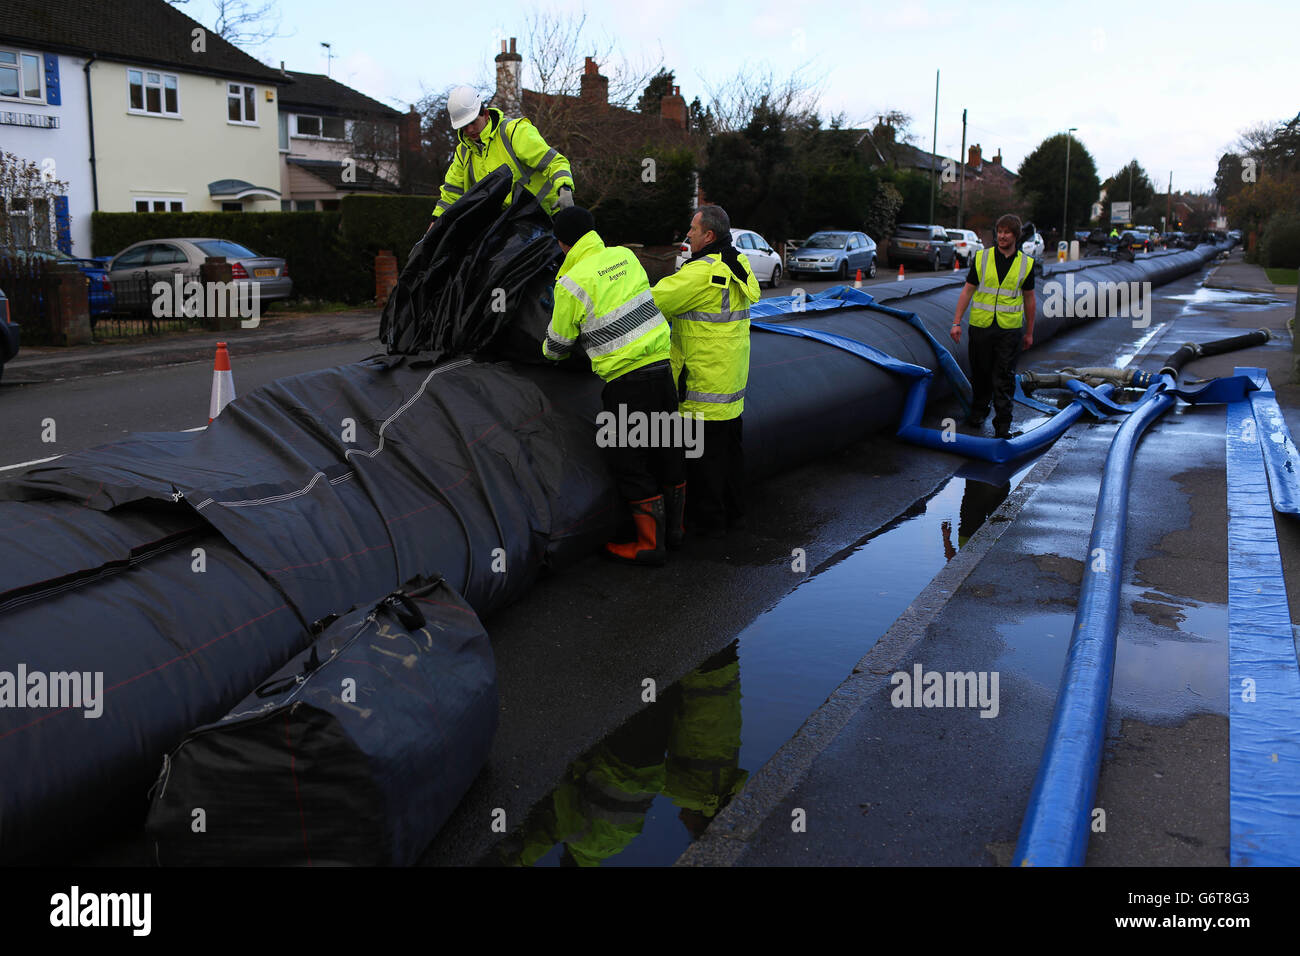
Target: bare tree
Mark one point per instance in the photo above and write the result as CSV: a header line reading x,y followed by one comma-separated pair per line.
x,y
554,59
604,138
241,22
794,98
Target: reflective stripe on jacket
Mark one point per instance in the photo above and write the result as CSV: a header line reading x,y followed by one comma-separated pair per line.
x,y
515,143
603,304
707,306
1003,299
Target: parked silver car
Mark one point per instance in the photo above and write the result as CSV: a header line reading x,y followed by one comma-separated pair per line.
x,y
159,258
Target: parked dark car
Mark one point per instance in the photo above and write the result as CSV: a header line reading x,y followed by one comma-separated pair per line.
x,y
8,334
99,287
834,252
1137,241
927,245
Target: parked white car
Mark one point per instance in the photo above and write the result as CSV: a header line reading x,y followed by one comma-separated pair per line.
x,y
762,258
967,244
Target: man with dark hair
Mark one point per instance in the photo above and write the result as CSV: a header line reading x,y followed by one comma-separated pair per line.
x,y
707,303
1001,285
604,306
488,141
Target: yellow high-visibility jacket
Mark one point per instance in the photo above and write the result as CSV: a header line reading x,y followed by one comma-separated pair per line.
x,y
707,306
603,304
1003,299
514,143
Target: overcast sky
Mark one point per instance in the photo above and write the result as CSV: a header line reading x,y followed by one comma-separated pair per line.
x,y
1171,84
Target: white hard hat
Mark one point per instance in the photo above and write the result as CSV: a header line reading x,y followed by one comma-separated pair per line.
x,y
463,106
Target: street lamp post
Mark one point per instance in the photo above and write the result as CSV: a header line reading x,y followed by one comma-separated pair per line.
x,y
1065,213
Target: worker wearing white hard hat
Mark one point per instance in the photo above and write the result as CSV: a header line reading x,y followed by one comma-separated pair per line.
x,y
488,141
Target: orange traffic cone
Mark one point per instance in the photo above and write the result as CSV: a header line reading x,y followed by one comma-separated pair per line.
x,y
955,266
900,272
857,283
223,383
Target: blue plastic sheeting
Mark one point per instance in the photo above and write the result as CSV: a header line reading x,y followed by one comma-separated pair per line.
x,y
1055,829
947,362
1263,683
836,297
839,297
869,352
1280,457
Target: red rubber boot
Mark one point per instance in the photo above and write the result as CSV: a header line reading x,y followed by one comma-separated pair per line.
x,y
648,548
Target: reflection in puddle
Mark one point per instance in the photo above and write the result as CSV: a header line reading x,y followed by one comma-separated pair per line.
x,y
642,795
682,753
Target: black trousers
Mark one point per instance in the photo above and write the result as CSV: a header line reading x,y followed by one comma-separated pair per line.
x,y
644,461
715,481
993,354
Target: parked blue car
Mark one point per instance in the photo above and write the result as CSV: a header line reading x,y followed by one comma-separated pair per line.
x,y
100,292
837,253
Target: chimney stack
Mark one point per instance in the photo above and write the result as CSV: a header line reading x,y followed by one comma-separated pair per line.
x,y
510,91
974,158
595,88
673,108
997,160
408,149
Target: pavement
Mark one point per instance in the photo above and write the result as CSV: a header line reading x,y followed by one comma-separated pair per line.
x,y
867,782
276,333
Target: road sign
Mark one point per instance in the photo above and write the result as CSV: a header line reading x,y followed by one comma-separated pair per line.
x,y
1121,212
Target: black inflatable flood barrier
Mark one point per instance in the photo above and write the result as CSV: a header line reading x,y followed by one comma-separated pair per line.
x,y
175,572
354,753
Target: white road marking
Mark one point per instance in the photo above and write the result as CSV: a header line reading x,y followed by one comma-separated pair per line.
x,y
41,461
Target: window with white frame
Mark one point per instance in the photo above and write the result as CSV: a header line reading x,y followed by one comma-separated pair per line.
x,y
152,92
241,103
27,222
321,127
21,76
150,204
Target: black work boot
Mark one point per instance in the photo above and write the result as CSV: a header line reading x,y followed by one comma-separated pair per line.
x,y
675,514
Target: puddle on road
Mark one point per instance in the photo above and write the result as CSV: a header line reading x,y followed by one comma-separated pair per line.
x,y
1205,296
643,794
1163,673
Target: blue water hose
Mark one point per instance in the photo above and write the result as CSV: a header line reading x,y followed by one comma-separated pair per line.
x,y
1055,828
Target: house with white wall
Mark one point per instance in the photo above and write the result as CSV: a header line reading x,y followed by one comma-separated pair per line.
x,y
152,111
43,121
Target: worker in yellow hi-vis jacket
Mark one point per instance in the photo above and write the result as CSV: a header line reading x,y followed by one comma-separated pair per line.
x,y
488,141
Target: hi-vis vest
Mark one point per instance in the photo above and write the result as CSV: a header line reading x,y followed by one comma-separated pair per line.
x,y
1001,299
514,143
708,308
603,303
